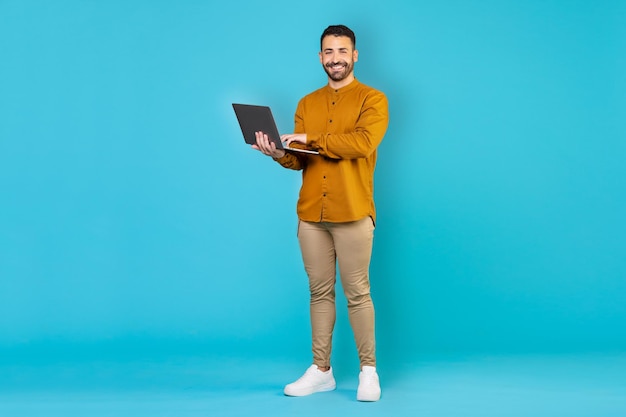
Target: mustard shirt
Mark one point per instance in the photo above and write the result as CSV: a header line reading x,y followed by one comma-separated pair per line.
x,y
346,126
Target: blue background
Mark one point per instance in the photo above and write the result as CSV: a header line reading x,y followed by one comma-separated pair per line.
x,y
134,221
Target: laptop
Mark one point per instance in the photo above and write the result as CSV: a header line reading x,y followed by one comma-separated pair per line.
x,y
259,119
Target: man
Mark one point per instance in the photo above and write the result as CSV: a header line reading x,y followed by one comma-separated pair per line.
x,y
344,121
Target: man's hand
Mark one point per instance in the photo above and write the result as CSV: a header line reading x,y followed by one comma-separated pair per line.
x,y
293,137
264,145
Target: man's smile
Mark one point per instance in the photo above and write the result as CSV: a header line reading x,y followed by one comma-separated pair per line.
x,y
336,66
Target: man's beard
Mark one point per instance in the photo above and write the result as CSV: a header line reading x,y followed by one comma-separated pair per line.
x,y
339,75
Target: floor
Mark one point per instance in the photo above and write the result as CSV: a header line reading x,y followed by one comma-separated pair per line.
x,y
572,386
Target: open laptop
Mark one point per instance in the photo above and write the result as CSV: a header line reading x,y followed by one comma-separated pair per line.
x,y
259,119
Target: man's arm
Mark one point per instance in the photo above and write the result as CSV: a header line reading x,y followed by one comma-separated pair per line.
x,y
367,135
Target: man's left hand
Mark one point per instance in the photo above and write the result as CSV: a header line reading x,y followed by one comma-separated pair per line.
x,y
293,137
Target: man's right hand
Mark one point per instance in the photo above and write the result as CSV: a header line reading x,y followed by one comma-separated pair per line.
x,y
264,145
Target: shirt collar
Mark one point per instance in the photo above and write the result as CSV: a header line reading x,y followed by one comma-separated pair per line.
x,y
343,89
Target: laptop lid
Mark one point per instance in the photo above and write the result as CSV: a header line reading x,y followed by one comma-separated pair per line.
x,y
253,119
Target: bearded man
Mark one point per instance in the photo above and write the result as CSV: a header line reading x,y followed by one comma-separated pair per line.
x,y
344,121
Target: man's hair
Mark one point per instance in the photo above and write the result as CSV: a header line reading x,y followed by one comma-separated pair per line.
x,y
338,30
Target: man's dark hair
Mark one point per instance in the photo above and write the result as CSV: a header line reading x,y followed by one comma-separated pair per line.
x,y
339,30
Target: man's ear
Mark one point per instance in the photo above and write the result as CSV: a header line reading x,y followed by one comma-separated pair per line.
x,y
355,55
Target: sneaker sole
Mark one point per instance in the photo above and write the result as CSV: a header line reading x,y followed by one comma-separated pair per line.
x,y
365,398
304,393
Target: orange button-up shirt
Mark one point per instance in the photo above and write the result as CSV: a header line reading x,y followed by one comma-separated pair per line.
x,y
346,126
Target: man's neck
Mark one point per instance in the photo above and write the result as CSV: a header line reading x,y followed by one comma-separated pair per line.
x,y
339,84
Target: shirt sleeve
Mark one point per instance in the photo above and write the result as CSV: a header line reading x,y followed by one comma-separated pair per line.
x,y
291,161
367,135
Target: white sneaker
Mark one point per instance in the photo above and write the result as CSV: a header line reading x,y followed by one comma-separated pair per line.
x,y
369,385
311,382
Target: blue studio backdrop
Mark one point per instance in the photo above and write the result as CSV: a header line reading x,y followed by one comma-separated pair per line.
x,y
134,219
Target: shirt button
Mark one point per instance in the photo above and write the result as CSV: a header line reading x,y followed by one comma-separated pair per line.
x,y
331,120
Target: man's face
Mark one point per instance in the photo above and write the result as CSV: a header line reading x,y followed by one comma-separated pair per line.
x,y
338,57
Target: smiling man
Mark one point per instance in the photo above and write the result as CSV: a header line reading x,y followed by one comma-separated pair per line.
x,y
344,121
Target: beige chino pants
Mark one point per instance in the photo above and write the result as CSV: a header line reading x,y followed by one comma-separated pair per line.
x,y
349,245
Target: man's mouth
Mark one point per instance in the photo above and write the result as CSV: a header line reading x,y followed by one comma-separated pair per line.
x,y
336,66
